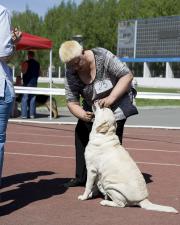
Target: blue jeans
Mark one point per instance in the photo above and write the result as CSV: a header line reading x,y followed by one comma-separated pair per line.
x,y
28,105
5,110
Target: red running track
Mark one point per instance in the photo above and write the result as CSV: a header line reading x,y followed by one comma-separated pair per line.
x,y
40,158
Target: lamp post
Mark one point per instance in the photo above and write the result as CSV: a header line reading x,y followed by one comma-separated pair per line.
x,y
78,38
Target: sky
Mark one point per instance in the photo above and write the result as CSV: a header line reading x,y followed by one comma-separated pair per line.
x,y
38,6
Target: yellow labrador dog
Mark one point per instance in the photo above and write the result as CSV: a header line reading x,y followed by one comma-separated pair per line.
x,y
112,169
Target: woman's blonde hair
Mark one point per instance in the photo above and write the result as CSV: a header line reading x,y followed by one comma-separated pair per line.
x,y
69,50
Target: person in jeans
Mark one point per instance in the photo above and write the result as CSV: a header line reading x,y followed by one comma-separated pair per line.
x,y
8,39
31,72
94,75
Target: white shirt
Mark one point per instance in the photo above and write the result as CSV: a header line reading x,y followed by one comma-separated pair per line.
x,y
6,45
6,49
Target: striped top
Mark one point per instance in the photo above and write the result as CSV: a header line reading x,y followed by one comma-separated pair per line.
x,y
108,72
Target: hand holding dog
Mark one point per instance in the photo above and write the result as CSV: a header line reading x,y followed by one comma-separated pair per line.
x,y
87,116
106,102
16,35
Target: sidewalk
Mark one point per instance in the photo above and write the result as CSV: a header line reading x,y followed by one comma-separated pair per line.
x,y
168,117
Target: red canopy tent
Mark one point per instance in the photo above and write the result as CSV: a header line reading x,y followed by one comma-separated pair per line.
x,y
34,42
30,42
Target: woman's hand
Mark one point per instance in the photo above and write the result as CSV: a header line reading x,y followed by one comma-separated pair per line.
x,y
120,88
87,116
16,35
106,102
79,112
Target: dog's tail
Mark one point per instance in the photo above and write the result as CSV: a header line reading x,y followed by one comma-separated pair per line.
x,y
146,204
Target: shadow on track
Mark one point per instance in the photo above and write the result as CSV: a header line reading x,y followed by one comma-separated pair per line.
x,y
23,177
29,191
147,178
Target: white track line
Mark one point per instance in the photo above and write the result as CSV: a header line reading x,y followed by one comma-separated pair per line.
x,y
74,123
159,164
143,139
72,136
60,145
69,157
153,150
41,135
39,143
38,155
132,135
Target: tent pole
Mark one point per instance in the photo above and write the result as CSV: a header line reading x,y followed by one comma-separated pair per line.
x,y
50,82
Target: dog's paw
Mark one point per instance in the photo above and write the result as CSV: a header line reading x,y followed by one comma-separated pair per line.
x,y
112,204
103,202
81,197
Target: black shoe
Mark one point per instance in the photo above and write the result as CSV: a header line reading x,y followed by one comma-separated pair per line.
x,y
74,182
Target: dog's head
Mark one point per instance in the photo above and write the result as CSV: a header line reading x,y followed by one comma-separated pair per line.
x,y
104,119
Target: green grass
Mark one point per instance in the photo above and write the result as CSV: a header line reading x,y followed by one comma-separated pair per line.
x,y
167,90
46,85
61,101
158,102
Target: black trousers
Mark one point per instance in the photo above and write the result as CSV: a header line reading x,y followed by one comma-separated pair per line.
x,y
82,132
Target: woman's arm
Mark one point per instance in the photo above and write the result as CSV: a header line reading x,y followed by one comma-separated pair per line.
x,y
119,89
79,112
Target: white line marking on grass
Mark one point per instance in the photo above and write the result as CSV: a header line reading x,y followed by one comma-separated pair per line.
x,y
71,157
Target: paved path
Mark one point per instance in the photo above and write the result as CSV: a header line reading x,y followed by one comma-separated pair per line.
x,y
165,117
156,117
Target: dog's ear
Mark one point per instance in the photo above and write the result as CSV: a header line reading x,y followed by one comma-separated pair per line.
x,y
103,127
